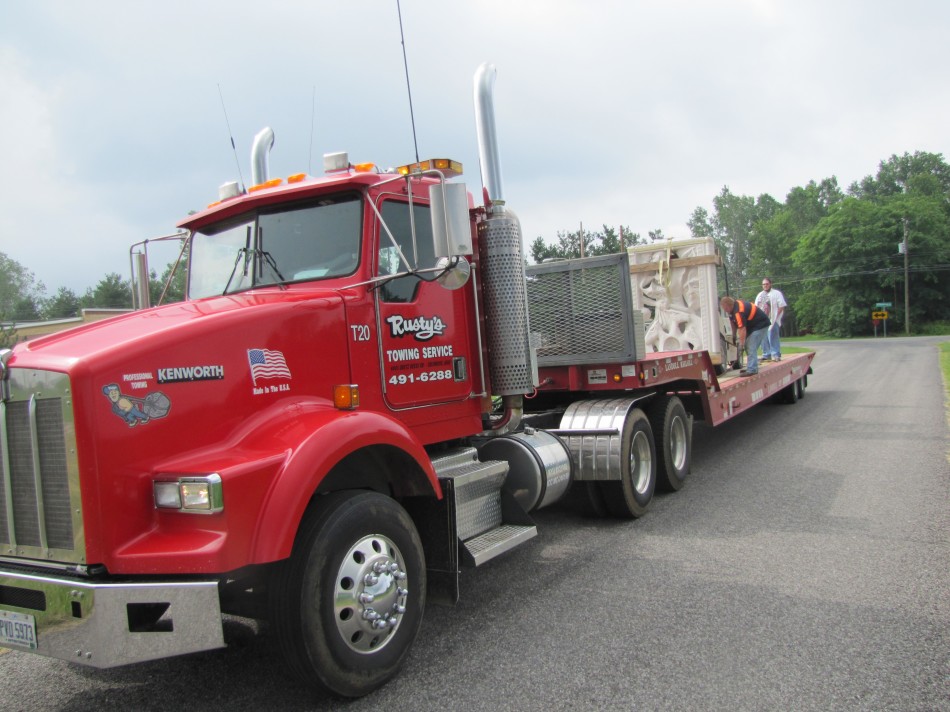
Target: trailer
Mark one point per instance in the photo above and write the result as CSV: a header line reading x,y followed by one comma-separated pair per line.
x,y
363,392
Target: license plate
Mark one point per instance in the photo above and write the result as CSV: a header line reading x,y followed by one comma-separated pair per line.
x,y
17,630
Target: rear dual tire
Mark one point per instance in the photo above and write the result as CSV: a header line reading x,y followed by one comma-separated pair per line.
x,y
673,432
630,496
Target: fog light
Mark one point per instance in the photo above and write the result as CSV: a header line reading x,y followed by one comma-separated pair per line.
x,y
195,495
198,495
167,495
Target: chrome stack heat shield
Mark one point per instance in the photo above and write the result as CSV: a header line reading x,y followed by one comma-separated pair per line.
x,y
512,360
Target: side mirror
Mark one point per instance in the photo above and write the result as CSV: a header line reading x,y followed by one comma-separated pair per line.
x,y
451,229
455,272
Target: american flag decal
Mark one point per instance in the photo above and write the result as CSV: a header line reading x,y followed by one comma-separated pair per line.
x,y
267,364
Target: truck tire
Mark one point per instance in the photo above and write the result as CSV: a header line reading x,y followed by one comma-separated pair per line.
x,y
347,605
671,431
630,497
800,390
790,393
596,500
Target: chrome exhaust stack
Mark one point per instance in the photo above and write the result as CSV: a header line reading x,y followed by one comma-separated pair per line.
x,y
512,359
260,152
488,158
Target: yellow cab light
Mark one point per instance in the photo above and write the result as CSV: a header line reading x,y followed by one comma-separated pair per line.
x,y
617,378
272,183
449,168
297,178
217,202
346,397
364,167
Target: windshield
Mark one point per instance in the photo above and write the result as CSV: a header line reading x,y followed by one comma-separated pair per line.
x,y
305,243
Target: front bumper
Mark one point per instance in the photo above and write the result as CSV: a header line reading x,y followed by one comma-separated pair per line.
x,y
108,624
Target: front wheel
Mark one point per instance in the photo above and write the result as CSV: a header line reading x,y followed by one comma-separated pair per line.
x,y
348,604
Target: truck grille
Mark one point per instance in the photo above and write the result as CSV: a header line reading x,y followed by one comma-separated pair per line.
x,y
40,510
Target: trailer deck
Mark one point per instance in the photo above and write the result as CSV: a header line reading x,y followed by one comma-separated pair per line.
x,y
692,376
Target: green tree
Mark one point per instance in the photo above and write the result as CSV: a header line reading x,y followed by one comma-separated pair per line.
x,y
112,292
8,334
776,236
851,262
62,305
26,309
732,222
19,290
898,174
170,287
568,245
699,225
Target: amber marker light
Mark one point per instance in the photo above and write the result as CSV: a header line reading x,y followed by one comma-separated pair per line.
x,y
297,178
449,168
273,183
346,397
617,378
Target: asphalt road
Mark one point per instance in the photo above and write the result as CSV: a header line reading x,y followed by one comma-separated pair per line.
x,y
804,566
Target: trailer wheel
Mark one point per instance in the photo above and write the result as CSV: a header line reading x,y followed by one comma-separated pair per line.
x,y
671,432
790,393
800,387
348,603
596,500
631,495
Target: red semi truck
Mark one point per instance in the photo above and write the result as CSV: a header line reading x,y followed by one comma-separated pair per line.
x,y
361,394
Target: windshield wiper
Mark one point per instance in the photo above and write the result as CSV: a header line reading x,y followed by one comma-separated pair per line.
x,y
266,258
241,251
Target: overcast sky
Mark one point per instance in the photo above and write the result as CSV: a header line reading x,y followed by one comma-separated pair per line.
x,y
628,112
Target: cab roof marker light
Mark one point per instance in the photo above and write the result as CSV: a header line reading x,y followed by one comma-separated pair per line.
x,y
297,178
333,162
448,167
272,183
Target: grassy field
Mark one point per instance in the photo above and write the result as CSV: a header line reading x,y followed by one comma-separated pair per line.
x,y
945,369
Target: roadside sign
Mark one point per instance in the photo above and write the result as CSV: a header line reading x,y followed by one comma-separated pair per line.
x,y
883,305
879,315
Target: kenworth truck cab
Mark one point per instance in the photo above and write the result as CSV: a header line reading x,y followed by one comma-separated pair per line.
x,y
347,409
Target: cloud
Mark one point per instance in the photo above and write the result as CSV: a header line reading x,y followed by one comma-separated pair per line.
x,y
619,112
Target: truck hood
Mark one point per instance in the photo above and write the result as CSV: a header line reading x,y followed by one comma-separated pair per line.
x,y
125,335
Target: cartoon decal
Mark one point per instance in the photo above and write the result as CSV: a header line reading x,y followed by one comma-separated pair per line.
x,y
267,364
136,410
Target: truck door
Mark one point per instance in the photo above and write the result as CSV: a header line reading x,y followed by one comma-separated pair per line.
x,y
424,336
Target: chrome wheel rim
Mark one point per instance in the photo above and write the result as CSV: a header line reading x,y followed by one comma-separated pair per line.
x,y
640,462
678,443
370,594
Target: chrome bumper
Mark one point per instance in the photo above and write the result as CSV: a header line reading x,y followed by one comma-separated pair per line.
x,y
105,625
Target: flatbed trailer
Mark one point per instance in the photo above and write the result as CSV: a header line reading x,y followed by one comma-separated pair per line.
x,y
689,375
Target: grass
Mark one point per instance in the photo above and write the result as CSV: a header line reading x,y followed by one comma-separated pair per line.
x,y
935,328
945,370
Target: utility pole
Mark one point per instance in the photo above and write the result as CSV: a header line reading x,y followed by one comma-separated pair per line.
x,y
906,252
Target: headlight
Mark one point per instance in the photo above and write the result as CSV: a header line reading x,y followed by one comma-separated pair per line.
x,y
197,495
